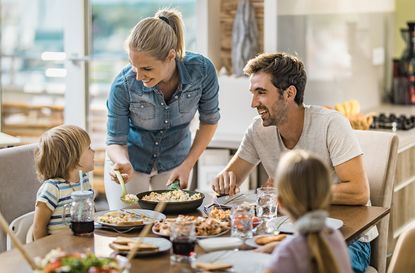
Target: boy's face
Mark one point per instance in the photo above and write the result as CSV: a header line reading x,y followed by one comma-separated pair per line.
x,y
271,106
86,161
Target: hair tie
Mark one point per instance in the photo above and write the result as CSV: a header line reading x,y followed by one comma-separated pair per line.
x,y
313,221
165,19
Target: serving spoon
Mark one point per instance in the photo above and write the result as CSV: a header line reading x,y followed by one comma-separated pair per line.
x,y
127,198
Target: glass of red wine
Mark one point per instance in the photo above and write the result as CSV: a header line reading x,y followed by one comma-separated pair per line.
x,y
183,238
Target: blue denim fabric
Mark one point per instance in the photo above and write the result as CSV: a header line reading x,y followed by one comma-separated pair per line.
x,y
157,133
359,253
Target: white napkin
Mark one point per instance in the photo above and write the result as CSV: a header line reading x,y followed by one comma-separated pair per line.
x,y
220,243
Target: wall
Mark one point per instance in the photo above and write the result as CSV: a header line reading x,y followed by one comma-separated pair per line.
x,y
345,45
404,11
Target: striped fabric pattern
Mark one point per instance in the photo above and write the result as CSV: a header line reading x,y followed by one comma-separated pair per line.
x,y
56,193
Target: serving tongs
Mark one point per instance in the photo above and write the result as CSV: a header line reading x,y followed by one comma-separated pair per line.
x,y
228,199
127,198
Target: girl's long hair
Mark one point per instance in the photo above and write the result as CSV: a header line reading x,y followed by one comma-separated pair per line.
x,y
304,185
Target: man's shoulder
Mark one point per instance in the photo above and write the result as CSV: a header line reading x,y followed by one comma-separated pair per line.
x,y
322,114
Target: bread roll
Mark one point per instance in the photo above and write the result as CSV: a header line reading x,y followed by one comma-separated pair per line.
x,y
266,239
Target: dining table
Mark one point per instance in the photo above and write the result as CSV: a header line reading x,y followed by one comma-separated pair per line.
x,y
356,220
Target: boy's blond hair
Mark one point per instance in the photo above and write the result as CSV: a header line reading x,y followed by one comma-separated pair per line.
x,y
59,151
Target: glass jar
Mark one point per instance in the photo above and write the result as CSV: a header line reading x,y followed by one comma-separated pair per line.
x,y
241,221
81,213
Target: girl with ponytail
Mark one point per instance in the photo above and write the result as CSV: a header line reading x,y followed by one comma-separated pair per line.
x,y
304,188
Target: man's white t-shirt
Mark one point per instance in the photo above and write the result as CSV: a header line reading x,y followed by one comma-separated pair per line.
x,y
326,133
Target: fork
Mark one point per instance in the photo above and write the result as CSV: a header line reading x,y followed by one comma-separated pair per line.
x,y
115,229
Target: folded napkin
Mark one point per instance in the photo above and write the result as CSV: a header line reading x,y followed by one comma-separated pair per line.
x,y
220,243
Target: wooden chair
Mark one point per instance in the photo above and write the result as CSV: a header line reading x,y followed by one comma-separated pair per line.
x,y
402,259
380,152
18,183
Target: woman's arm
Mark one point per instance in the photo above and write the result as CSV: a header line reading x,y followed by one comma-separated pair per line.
x,y
203,136
41,220
119,156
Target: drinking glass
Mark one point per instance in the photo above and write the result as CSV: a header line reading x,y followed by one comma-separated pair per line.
x,y
241,221
266,205
183,238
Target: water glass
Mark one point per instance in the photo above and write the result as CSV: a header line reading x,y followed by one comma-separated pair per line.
x,y
241,221
183,238
266,205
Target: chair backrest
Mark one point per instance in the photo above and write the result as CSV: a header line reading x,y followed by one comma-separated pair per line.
x,y
380,153
402,259
21,226
18,184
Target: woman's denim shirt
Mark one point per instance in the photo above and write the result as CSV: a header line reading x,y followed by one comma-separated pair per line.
x,y
158,134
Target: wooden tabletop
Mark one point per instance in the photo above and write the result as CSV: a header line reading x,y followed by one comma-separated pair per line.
x,y
356,220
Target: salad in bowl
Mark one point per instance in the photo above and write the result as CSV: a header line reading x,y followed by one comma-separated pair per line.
x,y
58,261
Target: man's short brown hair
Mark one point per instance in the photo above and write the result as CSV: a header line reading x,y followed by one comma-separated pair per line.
x,y
59,151
285,70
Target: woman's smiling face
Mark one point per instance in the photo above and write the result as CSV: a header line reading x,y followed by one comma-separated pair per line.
x,y
151,71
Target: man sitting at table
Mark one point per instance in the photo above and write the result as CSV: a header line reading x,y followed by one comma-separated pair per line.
x,y
277,83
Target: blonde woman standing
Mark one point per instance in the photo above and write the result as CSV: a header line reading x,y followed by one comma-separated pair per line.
x,y
304,194
151,104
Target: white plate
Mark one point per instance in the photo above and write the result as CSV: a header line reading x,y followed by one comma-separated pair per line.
x,y
157,216
242,261
282,224
163,244
213,244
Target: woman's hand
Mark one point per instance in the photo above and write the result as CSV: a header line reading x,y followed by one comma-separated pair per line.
x,y
126,170
180,173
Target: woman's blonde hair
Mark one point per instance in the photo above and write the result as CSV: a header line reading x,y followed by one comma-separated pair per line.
x,y
159,34
304,185
59,151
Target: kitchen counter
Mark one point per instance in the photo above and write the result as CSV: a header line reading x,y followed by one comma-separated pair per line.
x,y
406,138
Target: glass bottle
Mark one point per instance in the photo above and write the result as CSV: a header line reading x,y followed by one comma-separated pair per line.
x,y
411,61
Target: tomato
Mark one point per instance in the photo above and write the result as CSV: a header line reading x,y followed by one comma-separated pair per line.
x,y
50,267
255,221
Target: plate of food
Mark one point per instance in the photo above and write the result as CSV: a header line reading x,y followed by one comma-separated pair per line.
x,y
176,200
146,245
261,240
59,261
128,218
205,226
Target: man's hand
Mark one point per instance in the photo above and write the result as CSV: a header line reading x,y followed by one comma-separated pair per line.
x,y
126,170
225,183
180,173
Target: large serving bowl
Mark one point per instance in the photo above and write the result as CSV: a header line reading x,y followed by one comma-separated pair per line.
x,y
172,206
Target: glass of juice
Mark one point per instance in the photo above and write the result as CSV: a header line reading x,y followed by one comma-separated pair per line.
x,y
183,238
